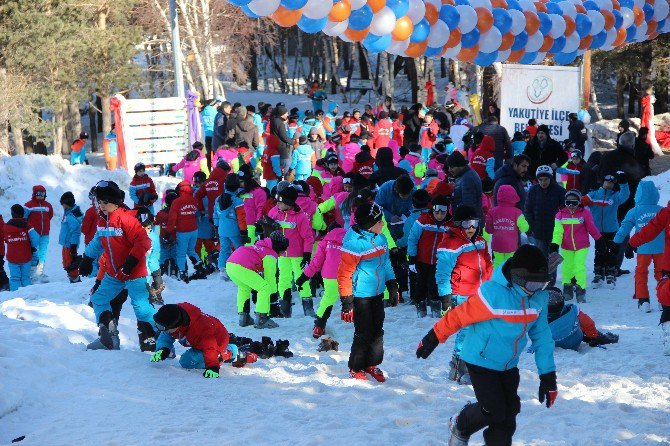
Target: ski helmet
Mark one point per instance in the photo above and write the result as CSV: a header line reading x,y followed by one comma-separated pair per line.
x,y
556,300
170,196
140,166
199,177
279,242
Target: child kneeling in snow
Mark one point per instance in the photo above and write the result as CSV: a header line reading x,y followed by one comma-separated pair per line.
x,y
205,334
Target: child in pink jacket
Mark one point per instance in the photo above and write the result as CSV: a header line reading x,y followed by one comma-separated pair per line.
x,y
326,260
193,162
348,154
505,222
254,197
414,164
226,153
298,230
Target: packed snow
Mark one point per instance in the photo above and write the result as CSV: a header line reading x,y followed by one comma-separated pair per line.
x,y
54,392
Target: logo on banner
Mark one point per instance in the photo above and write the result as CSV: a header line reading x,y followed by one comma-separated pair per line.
x,y
540,89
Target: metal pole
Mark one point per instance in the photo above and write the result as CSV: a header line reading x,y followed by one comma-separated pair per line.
x,y
176,51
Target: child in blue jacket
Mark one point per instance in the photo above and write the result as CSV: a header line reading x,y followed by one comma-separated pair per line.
x,y
154,278
229,221
303,159
70,233
603,204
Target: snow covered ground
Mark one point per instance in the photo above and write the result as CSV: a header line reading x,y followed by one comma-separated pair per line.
x,y
54,392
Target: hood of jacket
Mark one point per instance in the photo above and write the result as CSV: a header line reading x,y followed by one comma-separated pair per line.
x,y
38,188
247,124
488,144
18,222
507,196
647,193
184,189
336,235
363,156
331,106
384,157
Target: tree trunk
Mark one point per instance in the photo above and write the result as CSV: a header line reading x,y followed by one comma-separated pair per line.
x,y
444,71
284,61
620,86
596,106
363,64
72,124
4,118
92,128
17,136
106,115
387,79
190,15
632,96
253,67
59,129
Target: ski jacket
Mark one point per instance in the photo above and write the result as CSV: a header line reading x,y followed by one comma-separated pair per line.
x,y
328,255
204,332
551,153
500,317
572,181
70,227
462,264
254,201
391,202
142,191
398,133
456,133
161,221
279,139
78,151
505,222
229,155
657,225
207,116
303,159
604,205
270,163
208,193
39,212
348,155
258,257
110,146
468,191
414,165
231,220
21,239
385,169
365,267
437,163
89,224
364,164
428,134
297,228
245,130
481,155
507,175
518,147
570,326
2,236
154,254
541,208
403,241
646,208
383,133
571,231
307,206
183,215
425,237
191,166
120,235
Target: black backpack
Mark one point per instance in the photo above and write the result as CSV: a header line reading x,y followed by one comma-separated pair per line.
x,y
225,201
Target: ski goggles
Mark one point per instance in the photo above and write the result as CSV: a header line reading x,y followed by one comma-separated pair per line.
x,y
532,286
376,212
440,208
344,180
572,203
609,178
161,327
467,224
40,194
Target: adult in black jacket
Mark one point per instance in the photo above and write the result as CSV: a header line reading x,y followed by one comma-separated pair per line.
x,y
468,185
576,132
544,151
513,174
220,137
543,201
386,170
588,176
643,151
412,124
278,131
503,150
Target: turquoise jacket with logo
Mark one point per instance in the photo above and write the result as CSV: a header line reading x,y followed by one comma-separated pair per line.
x,y
500,318
604,204
365,266
646,208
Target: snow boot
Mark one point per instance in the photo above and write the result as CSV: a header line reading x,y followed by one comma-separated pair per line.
x,y
457,438
183,276
40,277
598,273
246,320
665,337
264,321
155,294
317,331
610,277
224,276
644,305
108,334
75,279
358,374
275,307
580,294
568,291
281,348
308,307
376,374
286,304
147,336
421,309
435,308
244,359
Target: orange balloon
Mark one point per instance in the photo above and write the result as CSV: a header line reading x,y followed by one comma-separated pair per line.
x,y
609,18
403,29
376,5
515,56
340,12
580,9
616,5
569,25
620,37
532,22
639,15
449,2
432,14
541,7
651,27
484,19
416,49
654,35
286,17
499,4
507,42
357,35
468,54
454,38
585,43
548,42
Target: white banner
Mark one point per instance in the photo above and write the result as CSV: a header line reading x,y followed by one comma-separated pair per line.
x,y
546,94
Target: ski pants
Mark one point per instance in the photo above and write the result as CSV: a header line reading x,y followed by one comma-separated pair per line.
x,y
496,408
226,246
247,280
642,273
42,245
19,275
168,251
367,349
425,153
400,268
110,287
67,261
192,359
460,335
606,259
330,295
622,251
425,284
500,257
574,266
289,270
186,247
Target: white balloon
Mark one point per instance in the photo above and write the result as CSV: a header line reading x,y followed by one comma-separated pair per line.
x,y
528,5
468,19
451,53
317,9
568,9
416,11
535,42
335,28
503,55
665,28
604,4
518,21
611,36
263,7
639,3
540,57
571,43
640,33
628,17
357,4
436,3
398,47
490,41
439,34
661,10
557,26
383,22
597,21
481,4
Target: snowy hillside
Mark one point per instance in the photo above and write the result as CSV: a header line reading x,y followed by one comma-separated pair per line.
x,y
54,392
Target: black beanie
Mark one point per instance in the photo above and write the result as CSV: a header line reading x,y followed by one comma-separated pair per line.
x,y
17,211
420,199
110,192
368,214
456,159
288,196
404,185
544,128
67,199
232,182
465,212
171,316
530,263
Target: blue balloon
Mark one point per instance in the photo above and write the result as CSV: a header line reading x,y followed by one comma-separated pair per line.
x,y
565,58
432,51
514,4
627,4
484,59
420,33
661,24
648,11
239,2
618,18
558,45
545,23
399,7
520,41
528,57
501,20
590,5
449,15
462,2
292,4
583,25
599,40
249,12
312,26
377,44
468,40
360,18
630,33
553,8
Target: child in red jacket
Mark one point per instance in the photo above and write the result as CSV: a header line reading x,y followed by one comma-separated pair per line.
x,y
183,227
142,188
21,240
39,215
4,280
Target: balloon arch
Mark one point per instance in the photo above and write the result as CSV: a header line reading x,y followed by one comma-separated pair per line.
x,y
479,31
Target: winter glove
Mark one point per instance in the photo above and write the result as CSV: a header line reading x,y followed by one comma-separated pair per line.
x,y
245,236
86,266
630,252
211,372
447,302
548,389
347,314
412,264
160,355
395,257
392,287
127,268
621,177
602,339
553,248
2,261
427,345
601,245
306,257
73,250
301,281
